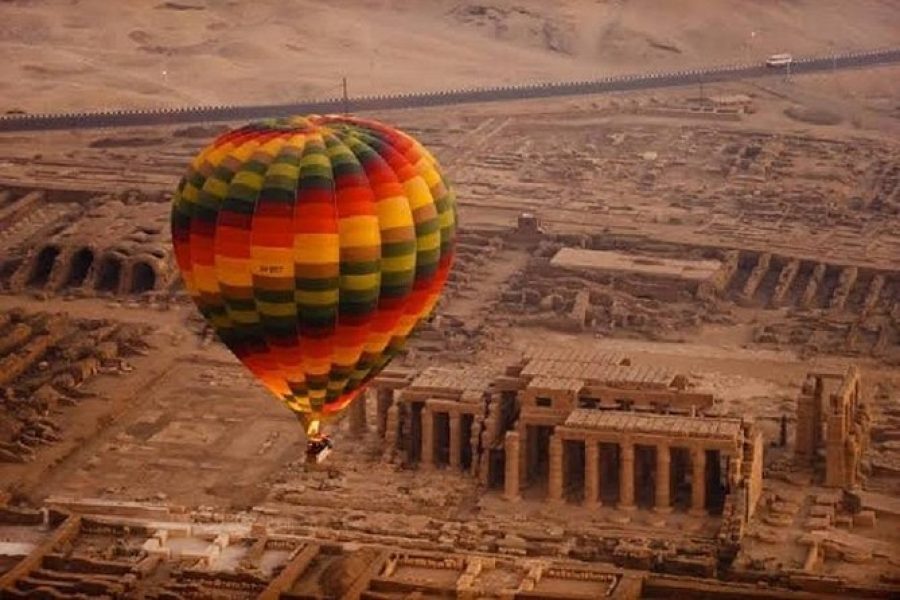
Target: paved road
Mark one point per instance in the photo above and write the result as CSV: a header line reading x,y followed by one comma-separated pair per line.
x,y
205,114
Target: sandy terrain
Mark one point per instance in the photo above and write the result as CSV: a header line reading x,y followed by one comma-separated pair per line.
x,y
804,174
93,55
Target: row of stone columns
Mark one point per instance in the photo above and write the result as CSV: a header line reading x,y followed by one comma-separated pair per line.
x,y
384,399
455,421
592,481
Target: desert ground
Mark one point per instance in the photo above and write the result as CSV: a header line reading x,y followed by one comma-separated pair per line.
x,y
93,55
120,406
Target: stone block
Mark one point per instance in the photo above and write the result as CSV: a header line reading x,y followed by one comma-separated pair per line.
x,y
513,544
769,536
845,521
656,522
855,555
816,523
827,498
153,548
865,518
822,511
778,520
783,508
619,519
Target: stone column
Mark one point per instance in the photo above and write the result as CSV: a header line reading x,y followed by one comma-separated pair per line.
x,y
698,481
384,399
427,437
475,467
391,431
734,472
455,432
525,455
626,475
591,474
358,414
511,490
805,441
555,479
663,484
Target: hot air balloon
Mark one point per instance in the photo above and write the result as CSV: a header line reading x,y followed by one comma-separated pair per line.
x,y
313,246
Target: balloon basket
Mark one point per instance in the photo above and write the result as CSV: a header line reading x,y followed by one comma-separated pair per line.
x,y
317,450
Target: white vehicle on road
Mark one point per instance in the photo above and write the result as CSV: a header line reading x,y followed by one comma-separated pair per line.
x,y
779,60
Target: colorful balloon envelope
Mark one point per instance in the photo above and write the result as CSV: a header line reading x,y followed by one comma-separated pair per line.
x,y
313,246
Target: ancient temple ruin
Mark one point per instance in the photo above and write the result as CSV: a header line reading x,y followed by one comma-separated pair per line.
x,y
116,247
578,426
833,423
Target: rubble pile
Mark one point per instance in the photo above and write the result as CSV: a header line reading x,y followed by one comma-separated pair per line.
x,y
45,359
572,300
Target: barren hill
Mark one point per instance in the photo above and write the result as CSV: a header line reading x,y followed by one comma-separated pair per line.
x,y
96,54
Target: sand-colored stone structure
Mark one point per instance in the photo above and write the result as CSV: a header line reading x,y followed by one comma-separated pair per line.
x,y
625,452
118,246
580,425
727,250
832,416
696,275
94,548
442,415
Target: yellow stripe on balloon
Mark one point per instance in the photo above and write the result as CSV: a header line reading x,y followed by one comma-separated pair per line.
x,y
429,241
249,179
394,212
274,146
405,325
359,231
428,173
219,321
276,309
233,271
198,160
189,193
317,248
299,405
205,278
284,170
337,385
219,153
398,263
244,317
243,152
271,262
360,282
316,159
216,187
446,219
377,341
418,193
317,367
346,356
319,298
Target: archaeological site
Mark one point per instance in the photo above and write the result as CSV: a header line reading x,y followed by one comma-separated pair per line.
x,y
665,363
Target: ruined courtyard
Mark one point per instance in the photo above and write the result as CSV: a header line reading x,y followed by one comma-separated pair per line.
x,y
666,364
